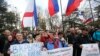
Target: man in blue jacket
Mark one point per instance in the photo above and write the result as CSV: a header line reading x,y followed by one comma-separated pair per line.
x,y
96,36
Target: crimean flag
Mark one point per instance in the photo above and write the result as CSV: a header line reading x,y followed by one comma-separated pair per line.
x,y
53,7
30,16
72,6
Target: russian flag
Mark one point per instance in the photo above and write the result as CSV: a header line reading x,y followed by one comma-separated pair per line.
x,y
72,6
89,20
53,7
30,18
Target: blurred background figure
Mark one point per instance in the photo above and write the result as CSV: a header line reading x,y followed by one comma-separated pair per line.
x,y
30,38
83,38
3,38
25,34
37,38
96,36
9,41
72,40
52,41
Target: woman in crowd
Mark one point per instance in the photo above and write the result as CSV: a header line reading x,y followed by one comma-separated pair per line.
x,y
7,45
52,42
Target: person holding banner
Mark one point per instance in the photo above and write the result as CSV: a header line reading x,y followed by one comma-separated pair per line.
x,y
9,41
83,38
3,40
54,42
96,36
72,40
19,39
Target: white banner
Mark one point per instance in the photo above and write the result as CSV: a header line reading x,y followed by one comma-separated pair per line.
x,y
68,51
90,50
33,49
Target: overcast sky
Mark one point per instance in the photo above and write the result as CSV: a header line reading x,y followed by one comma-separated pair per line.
x,y
22,4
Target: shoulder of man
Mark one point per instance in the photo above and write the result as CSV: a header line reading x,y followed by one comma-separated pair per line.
x,y
25,41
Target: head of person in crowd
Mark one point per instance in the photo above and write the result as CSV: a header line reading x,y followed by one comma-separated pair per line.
x,y
10,38
19,37
84,31
14,32
36,31
25,33
30,38
51,34
6,32
45,36
60,35
78,30
38,38
72,30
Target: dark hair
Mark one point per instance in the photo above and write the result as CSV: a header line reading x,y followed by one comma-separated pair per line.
x,y
59,33
36,35
84,29
2,30
19,33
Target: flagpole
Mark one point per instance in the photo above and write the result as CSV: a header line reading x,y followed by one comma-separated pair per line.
x,y
91,11
62,15
35,15
33,19
50,22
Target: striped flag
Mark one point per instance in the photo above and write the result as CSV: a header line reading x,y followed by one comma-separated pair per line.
x,y
89,20
53,7
30,18
72,6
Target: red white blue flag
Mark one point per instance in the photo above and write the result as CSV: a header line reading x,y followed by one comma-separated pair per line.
x,y
87,21
30,18
53,7
72,6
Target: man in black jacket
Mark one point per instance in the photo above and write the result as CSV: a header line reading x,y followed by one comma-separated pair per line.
x,y
72,39
3,39
83,38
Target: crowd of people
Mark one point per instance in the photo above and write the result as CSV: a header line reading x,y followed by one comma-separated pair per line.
x,y
51,40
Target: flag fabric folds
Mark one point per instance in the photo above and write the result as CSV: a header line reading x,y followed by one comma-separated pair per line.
x,y
53,7
89,20
83,19
35,15
72,6
30,16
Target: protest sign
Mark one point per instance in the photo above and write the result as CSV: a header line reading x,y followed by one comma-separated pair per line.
x,y
90,50
33,49
67,51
